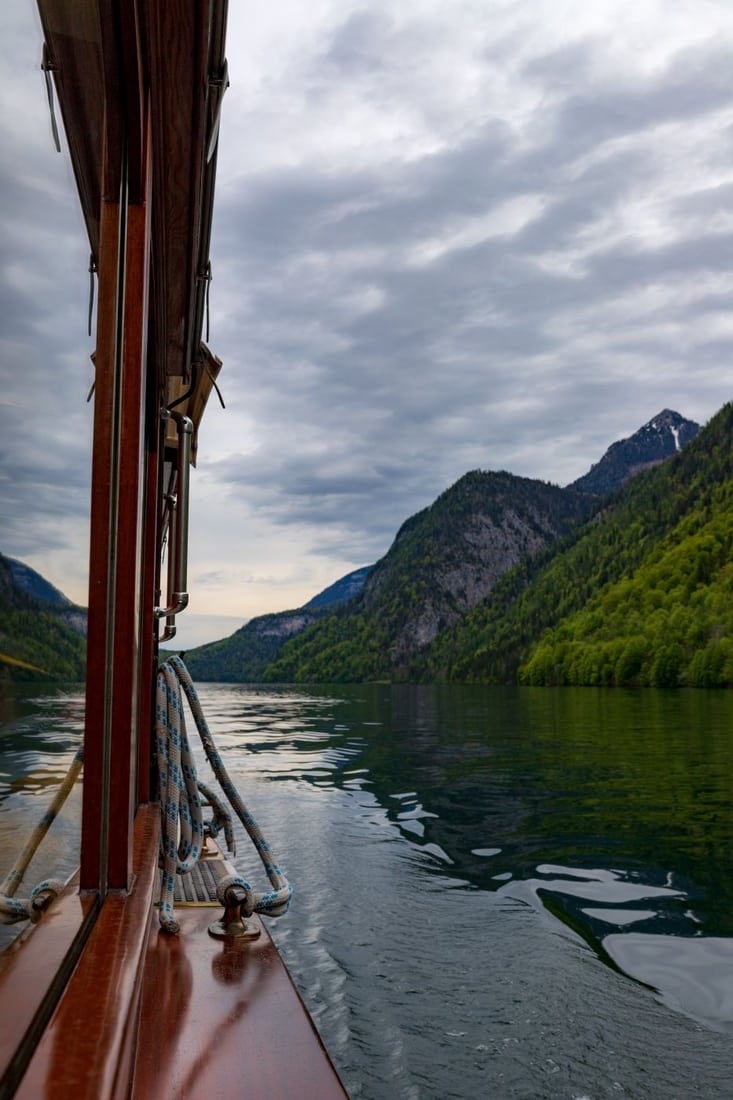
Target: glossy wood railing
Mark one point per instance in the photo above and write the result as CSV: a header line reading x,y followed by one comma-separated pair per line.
x,y
87,1050
33,972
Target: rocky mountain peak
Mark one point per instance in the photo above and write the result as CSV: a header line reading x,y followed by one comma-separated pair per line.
x,y
660,438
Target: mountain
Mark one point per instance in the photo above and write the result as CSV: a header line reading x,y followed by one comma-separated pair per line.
x,y
33,584
383,621
444,561
501,578
660,438
41,631
641,595
341,591
244,656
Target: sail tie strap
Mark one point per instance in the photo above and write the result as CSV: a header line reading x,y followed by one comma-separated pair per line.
x,y
14,909
183,828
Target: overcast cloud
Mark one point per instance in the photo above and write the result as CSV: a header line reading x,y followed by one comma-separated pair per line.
x,y
447,235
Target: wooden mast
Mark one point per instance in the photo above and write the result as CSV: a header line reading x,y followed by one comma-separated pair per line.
x,y
118,637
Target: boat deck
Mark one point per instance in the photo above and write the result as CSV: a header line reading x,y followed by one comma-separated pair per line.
x,y
145,1014
224,1019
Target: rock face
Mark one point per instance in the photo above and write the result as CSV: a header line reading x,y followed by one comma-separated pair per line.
x,y
448,558
663,436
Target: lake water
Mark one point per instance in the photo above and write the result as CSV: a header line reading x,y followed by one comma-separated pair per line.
x,y
498,892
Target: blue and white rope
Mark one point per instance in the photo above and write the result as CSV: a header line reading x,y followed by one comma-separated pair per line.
x,y
182,813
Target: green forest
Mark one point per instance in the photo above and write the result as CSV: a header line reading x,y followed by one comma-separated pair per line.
x,y
640,595
35,641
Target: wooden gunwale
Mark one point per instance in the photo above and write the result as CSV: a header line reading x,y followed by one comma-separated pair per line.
x,y
223,1018
145,1014
41,954
87,1050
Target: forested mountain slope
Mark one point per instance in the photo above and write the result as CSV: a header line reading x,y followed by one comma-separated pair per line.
x,y
42,634
444,561
244,656
643,594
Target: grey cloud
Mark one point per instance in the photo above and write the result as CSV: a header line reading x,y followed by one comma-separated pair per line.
x,y
695,81
358,46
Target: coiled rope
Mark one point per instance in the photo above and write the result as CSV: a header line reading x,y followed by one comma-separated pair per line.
x,y
181,807
14,909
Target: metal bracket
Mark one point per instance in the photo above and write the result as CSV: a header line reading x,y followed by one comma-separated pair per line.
x,y
220,83
232,924
92,273
178,525
206,277
48,66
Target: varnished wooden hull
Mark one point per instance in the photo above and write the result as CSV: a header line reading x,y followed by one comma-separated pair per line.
x,y
145,1014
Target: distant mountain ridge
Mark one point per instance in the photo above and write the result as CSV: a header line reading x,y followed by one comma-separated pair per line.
x,y
388,620
342,590
34,585
660,438
244,655
42,633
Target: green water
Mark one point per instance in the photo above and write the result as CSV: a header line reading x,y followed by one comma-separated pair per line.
x,y
586,778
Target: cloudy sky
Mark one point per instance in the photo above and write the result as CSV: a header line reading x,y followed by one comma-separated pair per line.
x,y
449,234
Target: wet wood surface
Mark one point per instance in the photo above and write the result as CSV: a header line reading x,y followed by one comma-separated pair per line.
x,y
147,1014
223,1018
28,967
86,1051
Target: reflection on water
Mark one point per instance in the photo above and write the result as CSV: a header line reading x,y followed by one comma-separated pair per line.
x,y
40,730
693,975
498,892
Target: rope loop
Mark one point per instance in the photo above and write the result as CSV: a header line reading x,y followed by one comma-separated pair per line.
x,y
183,828
41,895
14,909
236,880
